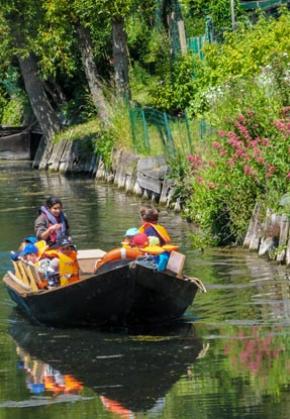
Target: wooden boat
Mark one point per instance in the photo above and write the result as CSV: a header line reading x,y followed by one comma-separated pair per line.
x,y
120,293
136,370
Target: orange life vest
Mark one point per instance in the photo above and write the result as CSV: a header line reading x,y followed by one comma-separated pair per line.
x,y
160,230
68,265
122,253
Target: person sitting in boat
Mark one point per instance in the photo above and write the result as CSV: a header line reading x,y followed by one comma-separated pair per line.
x,y
29,253
51,225
140,240
129,235
149,216
27,240
66,254
47,268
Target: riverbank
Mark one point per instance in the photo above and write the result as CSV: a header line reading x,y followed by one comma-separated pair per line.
x,y
144,176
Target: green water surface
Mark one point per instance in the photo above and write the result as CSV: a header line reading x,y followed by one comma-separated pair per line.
x,y
229,358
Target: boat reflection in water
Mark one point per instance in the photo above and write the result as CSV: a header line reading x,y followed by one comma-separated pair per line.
x,y
130,372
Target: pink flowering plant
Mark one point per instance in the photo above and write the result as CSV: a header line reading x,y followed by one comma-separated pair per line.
x,y
247,162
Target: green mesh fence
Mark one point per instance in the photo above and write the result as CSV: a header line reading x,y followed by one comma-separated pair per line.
x,y
155,132
262,4
196,43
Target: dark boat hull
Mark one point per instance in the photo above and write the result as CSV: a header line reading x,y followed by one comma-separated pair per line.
x,y
96,301
120,294
159,296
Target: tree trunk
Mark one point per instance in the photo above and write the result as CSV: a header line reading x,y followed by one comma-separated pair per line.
x,y
42,109
91,72
120,57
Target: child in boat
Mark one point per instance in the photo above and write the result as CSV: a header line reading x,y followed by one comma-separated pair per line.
x,y
66,254
29,253
140,240
47,268
149,217
129,235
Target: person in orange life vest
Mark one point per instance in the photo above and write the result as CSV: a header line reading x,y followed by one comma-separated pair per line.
x,y
149,216
68,267
51,225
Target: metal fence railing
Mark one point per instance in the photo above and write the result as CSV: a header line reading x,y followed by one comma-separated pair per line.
x,y
262,4
156,132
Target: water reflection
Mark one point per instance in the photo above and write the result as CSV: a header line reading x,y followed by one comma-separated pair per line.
x,y
130,372
41,377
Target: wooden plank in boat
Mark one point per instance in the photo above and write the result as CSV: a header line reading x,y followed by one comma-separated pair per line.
x,y
87,259
26,270
11,280
90,254
20,273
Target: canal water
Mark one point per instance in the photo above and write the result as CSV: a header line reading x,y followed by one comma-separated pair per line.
x,y
228,358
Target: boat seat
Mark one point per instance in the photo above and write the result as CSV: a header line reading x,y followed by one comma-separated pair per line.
x,y
20,273
11,280
87,259
29,271
33,273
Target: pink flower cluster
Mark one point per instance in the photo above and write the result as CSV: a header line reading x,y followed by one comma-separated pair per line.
x,y
255,353
195,162
283,126
243,150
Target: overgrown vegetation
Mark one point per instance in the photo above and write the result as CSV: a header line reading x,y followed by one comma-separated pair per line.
x,y
239,85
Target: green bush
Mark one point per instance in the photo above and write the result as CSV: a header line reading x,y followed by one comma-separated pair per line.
x,y
13,111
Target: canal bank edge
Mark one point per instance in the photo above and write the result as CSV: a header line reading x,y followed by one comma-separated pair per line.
x,y
143,176
269,235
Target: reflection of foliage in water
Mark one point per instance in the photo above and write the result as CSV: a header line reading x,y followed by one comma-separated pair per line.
x,y
262,356
238,371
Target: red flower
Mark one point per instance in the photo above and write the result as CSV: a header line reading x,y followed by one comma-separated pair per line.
x,y
216,145
249,171
241,119
222,133
195,161
271,169
283,126
265,142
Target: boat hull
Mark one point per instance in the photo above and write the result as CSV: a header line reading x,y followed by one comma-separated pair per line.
x,y
96,301
120,294
159,296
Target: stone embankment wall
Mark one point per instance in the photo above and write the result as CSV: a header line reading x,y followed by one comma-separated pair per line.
x,y
269,235
143,176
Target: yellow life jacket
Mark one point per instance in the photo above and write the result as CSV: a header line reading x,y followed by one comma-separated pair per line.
x,y
42,246
160,230
68,267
